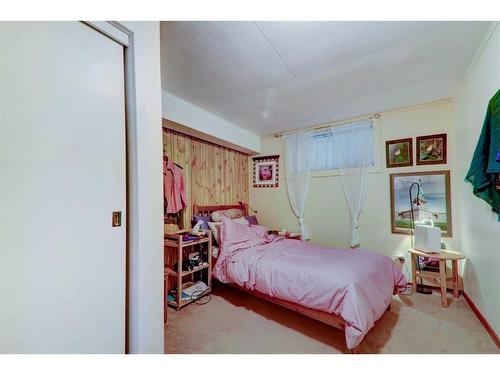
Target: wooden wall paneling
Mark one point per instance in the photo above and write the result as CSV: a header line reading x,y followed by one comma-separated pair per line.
x,y
214,175
208,191
216,178
223,196
185,150
196,178
206,169
244,176
230,190
235,188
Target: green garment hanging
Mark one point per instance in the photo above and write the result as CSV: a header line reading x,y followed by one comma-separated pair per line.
x,y
485,165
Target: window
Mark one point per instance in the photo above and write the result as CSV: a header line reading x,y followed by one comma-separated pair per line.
x,y
323,154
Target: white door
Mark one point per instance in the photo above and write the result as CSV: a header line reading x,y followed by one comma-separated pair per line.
x,y
62,174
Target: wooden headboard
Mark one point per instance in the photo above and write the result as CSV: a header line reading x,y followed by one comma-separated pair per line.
x,y
207,210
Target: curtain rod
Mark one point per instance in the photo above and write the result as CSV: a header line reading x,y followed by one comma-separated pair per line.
x,y
374,116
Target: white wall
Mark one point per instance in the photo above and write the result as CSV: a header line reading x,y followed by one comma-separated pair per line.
x,y
187,114
479,230
327,216
146,243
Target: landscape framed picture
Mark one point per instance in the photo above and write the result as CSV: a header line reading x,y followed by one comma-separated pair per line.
x,y
432,204
266,171
431,149
399,153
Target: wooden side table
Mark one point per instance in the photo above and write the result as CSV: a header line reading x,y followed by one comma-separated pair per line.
x,y
441,257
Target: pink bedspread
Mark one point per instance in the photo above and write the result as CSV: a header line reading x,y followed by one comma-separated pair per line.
x,y
356,284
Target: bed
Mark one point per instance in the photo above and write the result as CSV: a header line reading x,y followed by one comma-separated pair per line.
x,y
346,289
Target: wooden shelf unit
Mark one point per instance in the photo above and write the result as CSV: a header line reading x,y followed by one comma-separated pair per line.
x,y
175,251
188,301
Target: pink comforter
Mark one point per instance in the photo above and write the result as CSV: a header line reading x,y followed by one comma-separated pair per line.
x,y
356,284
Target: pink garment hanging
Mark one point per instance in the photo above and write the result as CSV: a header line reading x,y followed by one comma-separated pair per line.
x,y
173,187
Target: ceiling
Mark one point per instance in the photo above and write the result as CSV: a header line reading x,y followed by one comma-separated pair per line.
x,y
274,76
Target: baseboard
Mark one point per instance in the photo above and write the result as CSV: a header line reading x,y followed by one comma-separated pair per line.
x,y
483,320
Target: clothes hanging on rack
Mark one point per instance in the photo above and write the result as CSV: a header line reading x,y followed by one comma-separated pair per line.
x,y
173,187
485,165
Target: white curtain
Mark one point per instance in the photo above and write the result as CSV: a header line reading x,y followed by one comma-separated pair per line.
x,y
353,147
297,147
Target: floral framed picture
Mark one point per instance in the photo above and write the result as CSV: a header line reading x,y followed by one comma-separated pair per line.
x,y
399,153
431,149
266,171
431,200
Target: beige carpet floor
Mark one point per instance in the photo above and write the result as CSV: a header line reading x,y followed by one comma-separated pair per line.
x,y
235,322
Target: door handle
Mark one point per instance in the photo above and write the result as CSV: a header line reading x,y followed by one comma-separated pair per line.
x,y
116,220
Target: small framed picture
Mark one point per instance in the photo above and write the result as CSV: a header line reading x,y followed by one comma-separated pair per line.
x,y
431,149
266,171
399,153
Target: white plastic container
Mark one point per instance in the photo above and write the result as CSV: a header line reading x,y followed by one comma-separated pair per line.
x,y
428,238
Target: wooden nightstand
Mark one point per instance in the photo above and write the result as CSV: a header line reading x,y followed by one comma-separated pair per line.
x,y
441,257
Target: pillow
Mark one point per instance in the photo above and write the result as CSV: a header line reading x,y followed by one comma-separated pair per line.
x,y
233,232
215,228
232,213
241,220
252,220
203,218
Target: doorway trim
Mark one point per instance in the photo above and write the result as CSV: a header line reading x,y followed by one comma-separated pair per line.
x,y
113,31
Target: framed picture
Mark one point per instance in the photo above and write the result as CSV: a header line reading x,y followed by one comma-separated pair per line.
x,y
431,149
399,153
266,171
433,202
